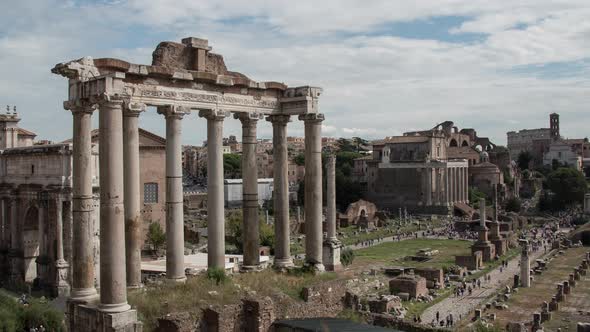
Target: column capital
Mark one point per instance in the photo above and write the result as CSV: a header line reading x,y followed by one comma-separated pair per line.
x,y
312,117
132,109
80,106
279,119
248,117
217,115
174,111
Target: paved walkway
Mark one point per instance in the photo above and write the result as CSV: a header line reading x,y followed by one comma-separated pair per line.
x,y
461,306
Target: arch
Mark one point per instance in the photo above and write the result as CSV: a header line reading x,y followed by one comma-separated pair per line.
x,y
453,143
464,143
31,243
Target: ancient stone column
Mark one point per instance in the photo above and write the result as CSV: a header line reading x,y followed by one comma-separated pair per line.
x,y
250,191
437,197
525,264
482,212
331,197
113,279
133,229
446,173
466,184
313,189
453,184
215,210
331,249
461,185
281,191
174,198
62,288
82,206
428,179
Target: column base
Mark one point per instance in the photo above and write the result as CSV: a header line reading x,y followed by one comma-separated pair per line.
x,y
84,295
331,255
114,308
82,317
250,268
282,263
316,267
180,280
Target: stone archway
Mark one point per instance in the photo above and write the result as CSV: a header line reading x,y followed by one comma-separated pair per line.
x,y
464,143
31,243
453,142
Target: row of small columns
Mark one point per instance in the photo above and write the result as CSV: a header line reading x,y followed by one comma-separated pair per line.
x,y
433,179
120,222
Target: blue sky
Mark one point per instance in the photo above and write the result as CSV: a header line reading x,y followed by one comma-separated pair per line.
x,y
386,66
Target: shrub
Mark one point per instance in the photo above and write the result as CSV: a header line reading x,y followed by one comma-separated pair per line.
x,y
16,317
217,274
347,257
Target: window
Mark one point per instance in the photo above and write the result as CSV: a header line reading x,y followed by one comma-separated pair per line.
x,y
32,169
150,193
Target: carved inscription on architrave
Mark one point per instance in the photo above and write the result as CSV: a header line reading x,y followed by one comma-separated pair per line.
x,y
207,98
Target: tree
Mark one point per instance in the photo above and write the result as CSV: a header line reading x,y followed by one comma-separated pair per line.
x,y
156,236
232,165
347,256
360,144
345,145
513,205
567,185
524,159
299,159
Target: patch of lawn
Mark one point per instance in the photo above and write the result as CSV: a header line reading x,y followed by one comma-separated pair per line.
x,y
394,252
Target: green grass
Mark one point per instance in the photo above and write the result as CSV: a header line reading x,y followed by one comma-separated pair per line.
x,y
395,252
390,230
417,308
156,301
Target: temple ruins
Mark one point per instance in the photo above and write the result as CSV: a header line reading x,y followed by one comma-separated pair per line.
x,y
184,78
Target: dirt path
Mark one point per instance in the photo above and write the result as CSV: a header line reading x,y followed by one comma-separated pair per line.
x,y
461,306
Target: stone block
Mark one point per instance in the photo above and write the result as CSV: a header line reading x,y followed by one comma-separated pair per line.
x,y
413,285
433,275
384,304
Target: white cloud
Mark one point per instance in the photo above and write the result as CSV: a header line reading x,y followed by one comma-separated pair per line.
x,y
375,85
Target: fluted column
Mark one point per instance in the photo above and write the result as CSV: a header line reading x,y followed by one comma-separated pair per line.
x,y
447,187
250,191
174,198
461,185
83,273
62,286
313,189
113,279
215,209
281,190
133,228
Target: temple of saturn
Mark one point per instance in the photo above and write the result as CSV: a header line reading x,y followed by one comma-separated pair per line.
x,y
184,78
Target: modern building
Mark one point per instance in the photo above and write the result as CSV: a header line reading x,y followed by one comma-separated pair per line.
x,y
232,192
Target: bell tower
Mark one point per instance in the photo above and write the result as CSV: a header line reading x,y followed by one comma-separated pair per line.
x,y
554,125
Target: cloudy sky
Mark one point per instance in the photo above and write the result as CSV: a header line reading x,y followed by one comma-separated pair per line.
x,y
385,66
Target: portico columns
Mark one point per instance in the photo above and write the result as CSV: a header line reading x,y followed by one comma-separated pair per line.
x,y
331,198
82,206
466,181
428,179
281,190
461,198
113,279
132,195
215,211
174,199
313,189
250,190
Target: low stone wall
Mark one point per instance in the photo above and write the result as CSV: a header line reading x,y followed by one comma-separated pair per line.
x,y
390,321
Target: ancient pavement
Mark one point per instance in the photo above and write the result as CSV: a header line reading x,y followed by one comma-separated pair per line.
x,y
462,306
